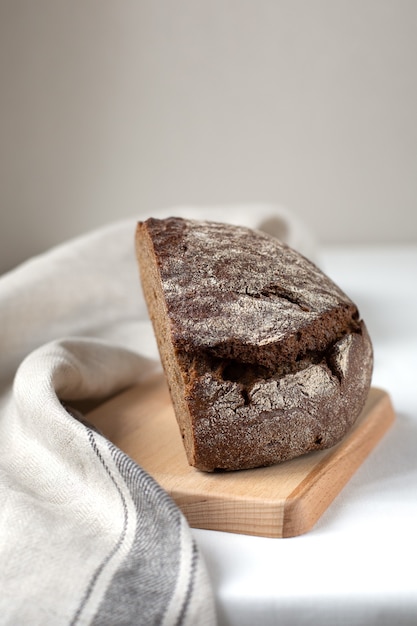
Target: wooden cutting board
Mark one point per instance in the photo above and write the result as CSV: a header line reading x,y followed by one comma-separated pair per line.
x,y
280,501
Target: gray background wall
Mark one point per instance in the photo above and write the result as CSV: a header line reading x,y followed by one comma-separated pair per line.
x,y
110,107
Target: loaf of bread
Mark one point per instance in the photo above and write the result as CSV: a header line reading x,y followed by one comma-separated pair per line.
x,y
265,357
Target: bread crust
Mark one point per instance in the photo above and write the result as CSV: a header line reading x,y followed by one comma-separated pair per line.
x,y
265,357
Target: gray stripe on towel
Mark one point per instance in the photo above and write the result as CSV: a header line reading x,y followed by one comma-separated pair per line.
x,y
143,585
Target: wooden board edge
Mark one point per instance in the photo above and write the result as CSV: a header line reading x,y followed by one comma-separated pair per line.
x,y
237,516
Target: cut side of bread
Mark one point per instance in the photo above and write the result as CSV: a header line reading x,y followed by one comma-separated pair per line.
x,y
265,357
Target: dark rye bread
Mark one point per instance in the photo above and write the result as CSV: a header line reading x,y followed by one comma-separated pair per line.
x,y
265,357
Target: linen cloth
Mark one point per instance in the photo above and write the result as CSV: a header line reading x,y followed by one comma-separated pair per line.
x,y
86,536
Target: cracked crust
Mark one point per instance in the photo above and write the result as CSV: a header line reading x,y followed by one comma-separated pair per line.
x,y
266,358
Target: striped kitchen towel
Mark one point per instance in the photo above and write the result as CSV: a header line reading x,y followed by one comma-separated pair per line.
x,y
86,535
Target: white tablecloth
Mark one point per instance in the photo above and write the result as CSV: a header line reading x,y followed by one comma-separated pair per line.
x,y
358,566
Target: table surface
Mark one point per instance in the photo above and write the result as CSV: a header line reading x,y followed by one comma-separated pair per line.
x,y
357,566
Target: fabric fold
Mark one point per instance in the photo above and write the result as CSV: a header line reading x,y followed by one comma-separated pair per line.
x,y
110,543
